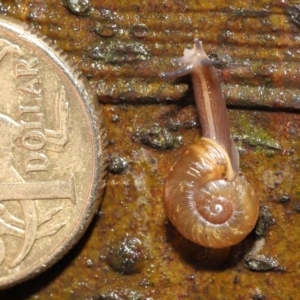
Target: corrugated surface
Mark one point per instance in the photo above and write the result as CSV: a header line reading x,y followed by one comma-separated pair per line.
x,y
255,42
121,46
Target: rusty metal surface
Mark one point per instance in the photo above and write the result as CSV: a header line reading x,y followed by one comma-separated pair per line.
x,y
122,46
131,250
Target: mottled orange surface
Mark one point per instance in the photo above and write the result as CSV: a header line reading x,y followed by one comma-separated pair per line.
x,y
131,251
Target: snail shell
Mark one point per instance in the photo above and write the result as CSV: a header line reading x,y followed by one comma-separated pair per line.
x,y
205,199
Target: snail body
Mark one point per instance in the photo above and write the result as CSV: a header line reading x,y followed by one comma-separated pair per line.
x,y
204,197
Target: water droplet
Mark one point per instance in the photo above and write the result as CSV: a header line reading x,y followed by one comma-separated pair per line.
x,y
139,31
106,30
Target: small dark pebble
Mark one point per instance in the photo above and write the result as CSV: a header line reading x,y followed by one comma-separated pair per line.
x,y
78,7
294,14
115,118
157,137
174,125
117,164
189,124
126,256
260,263
284,198
265,220
220,60
259,297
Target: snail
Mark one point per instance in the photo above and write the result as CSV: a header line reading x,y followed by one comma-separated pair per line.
x,y
204,196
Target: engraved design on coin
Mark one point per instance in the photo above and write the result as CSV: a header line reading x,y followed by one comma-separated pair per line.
x,y
33,136
49,147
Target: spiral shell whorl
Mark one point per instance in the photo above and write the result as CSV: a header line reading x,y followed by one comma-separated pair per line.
x,y
202,176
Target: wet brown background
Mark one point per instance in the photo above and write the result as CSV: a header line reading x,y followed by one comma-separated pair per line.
x,y
131,251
